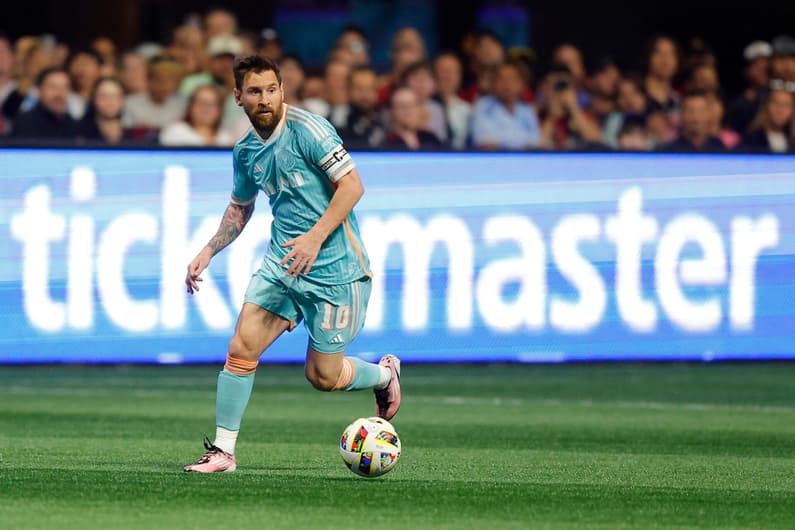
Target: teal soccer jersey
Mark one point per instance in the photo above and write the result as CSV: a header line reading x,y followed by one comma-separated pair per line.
x,y
297,167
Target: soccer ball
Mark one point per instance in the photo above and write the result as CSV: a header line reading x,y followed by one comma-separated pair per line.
x,y
370,447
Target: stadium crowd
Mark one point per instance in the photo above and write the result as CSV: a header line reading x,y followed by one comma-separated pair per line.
x,y
481,97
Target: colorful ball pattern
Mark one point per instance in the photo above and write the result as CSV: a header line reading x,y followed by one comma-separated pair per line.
x,y
370,447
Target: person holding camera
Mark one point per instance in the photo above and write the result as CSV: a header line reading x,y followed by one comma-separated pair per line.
x,y
564,125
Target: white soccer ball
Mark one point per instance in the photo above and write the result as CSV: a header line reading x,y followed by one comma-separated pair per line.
x,y
370,447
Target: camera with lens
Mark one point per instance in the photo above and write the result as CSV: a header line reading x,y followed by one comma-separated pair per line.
x,y
561,85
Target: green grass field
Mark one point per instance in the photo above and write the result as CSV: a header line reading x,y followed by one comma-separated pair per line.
x,y
500,446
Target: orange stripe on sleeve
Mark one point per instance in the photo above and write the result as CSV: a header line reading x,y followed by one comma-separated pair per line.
x,y
356,247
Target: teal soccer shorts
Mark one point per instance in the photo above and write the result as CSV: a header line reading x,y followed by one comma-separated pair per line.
x,y
334,314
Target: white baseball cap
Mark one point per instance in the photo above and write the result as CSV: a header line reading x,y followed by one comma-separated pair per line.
x,y
224,45
757,49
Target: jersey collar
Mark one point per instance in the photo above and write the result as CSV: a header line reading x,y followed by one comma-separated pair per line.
x,y
277,132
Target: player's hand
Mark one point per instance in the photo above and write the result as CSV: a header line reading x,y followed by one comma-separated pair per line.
x,y
303,254
195,268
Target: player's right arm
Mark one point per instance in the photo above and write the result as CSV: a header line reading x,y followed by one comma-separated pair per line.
x,y
235,218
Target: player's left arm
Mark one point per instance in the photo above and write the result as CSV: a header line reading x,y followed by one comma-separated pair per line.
x,y
305,248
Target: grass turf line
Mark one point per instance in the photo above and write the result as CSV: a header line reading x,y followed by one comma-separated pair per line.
x,y
493,446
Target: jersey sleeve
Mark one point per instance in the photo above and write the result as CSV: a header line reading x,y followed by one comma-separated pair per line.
x,y
244,189
323,147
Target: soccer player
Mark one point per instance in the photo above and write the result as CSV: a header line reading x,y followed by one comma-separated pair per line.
x,y
315,269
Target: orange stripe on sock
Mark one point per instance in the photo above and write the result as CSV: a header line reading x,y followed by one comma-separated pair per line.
x,y
240,366
346,375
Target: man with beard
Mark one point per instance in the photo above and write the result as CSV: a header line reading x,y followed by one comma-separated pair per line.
x,y
363,128
315,269
49,118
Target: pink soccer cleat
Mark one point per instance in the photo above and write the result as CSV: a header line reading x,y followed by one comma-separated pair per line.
x,y
214,461
387,400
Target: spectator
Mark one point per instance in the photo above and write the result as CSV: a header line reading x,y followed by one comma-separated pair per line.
x,y
202,121
106,49
782,62
743,109
353,40
419,78
249,42
564,125
59,52
525,59
633,135
503,120
697,53
407,48
404,118
631,104
363,128
602,87
7,84
313,88
449,75
717,111
488,53
161,104
661,64
660,128
36,58
570,56
219,22
270,45
695,135
336,91
703,78
221,52
342,55
293,75
772,128
102,121
133,73
49,118
188,48
84,68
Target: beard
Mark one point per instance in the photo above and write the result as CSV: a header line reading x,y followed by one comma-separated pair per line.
x,y
265,122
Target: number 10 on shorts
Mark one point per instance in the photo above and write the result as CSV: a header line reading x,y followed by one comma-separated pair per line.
x,y
340,317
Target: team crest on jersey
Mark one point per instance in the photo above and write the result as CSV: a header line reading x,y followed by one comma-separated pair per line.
x,y
285,160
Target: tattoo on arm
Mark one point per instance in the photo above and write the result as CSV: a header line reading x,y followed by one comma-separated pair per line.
x,y
235,218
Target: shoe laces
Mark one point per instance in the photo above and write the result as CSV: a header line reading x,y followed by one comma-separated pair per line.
x,y
212,450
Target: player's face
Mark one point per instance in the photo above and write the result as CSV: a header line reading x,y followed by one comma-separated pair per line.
x,y
261,98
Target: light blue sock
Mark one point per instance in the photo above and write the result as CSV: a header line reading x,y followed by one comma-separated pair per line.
x,y
365,375
230,403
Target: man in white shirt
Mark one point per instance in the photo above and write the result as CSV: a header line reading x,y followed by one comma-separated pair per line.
x,y
160,104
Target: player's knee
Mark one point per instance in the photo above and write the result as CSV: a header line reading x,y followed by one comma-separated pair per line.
x,y
240,348
323,381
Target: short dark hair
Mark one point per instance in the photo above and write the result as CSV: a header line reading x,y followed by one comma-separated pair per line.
x,y
413,68
651,44
47,72
484,33
352,28
90,52
358,70
693,94
256,64
294,58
